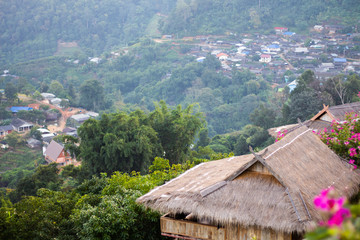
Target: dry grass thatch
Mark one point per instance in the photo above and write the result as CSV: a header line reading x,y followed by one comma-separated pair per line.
x,y
339,111
274,190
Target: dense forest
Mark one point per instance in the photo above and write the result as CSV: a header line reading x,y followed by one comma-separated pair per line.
x,y
208,16
32,29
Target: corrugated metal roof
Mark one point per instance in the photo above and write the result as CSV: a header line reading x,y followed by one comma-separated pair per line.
x,y
53,150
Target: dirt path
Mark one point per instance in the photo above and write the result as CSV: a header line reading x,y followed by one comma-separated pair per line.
x,y
65,114
283,58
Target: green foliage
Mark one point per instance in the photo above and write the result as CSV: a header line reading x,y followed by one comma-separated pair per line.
x,y
344,137
44,177
14,139
56,88
34,133
350,229
217,17
92,95
10,91
239,142
118,142
100,208
32,29
42,217
176,129
263,117
36,116
127,142
4,114
18,163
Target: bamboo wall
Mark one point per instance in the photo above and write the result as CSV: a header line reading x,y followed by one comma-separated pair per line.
x,y
193,230
239,233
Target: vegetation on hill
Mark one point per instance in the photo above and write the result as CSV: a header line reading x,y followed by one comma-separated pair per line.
x,y
237,16
34,29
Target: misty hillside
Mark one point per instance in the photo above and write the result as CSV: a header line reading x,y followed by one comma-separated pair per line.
x,y
215,17
32,29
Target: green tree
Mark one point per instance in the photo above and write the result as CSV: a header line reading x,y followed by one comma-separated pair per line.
x,y
263,117
10,91
14,139
92,95
118,142
204,139
56,88
176,129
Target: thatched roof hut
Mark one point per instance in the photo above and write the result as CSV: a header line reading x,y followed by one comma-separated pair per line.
x,y
269,195
323,118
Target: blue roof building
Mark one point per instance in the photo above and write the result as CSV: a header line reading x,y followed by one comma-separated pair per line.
x,y
16,109
339,60
288,33
274,46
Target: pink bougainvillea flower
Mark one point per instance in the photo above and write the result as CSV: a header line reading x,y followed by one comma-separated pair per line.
x,y
338,218
346,143
333,206
352,152
351,161
321,201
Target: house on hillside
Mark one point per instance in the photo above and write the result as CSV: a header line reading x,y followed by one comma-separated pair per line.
x,y
222,56
5,130
20,125
55,152
339,61
280,30
48,96
70,131
265,58
33,143
292,85
78,119
267,196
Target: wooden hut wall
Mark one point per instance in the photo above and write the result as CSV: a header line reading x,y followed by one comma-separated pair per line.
x,y
192,230
258,167
239,233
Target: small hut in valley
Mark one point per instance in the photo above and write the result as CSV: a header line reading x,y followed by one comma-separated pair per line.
x,y
258,196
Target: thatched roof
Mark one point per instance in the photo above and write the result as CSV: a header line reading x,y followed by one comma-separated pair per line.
x,y
322,119
272,190
338,112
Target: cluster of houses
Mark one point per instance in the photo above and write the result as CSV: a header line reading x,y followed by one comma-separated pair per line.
x,y
326,52
53,151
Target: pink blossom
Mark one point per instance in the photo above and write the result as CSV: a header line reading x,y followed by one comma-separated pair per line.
x,y
351,161
333,206
338,218
346,143
321,201
352,152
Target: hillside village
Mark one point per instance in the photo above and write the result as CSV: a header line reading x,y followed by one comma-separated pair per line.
x,y
280,57
63,121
